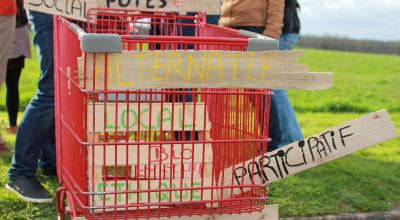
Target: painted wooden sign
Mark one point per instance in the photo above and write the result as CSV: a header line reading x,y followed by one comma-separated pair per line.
x,y
172,171
78,9
150,155
176,190
199,69
144,116
326,146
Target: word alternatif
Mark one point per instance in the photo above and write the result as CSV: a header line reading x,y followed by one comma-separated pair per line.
x,y
194,191
198,69
312,151
75,9
146,116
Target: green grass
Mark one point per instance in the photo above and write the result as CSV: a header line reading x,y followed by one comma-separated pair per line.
x,y
365,181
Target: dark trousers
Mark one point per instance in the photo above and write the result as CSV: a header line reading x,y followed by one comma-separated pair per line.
x,y
14,69
35,142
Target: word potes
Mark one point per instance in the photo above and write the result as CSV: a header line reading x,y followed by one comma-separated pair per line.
x,y
148,4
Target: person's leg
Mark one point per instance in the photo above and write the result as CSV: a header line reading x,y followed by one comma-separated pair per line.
x,y
283,125
212,19
287,41
47,161
39,114
38,120
14,69
7,28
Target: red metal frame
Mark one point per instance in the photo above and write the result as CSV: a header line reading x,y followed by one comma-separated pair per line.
x,y
238,117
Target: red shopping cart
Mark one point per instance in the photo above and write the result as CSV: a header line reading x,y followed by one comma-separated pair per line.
x,y
144,152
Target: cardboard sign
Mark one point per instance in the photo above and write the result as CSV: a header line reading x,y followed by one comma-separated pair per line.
x,y
186,117
74,9
313,151
199,69
208,6
77,9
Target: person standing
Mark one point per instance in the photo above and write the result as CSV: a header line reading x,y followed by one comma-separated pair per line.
x,y
35,142
20,50
8,11
266,17
291,25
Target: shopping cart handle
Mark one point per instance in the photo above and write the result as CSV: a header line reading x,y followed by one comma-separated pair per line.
x,y
91,42
258,42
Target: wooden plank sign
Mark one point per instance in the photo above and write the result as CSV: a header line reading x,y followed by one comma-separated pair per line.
x,y
77,9
199,69
313,151
185,117
154,154
175,191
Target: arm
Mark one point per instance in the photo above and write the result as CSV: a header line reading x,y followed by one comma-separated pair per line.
x,y
274,18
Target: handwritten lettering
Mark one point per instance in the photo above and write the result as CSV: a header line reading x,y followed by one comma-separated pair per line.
x,y
71,8
157,195
156,116
130,69
278,165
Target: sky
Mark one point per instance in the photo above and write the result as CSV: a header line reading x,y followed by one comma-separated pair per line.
x,y
359,19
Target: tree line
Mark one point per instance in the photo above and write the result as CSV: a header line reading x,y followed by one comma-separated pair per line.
x,y
347,44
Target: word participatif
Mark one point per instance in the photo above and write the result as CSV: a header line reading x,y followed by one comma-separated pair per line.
x,y
321,148
278,164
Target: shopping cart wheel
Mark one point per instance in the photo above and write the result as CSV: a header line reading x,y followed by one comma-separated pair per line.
x,y
60,202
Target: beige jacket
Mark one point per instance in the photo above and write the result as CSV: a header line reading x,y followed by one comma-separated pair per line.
x,y
258,13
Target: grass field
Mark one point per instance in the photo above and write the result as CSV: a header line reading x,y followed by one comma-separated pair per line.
x,y
366,181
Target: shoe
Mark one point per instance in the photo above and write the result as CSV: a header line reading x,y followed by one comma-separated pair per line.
x,y
4,149
49,173
29,189
12,129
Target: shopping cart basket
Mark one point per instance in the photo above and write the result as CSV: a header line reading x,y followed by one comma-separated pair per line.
x,y
143,153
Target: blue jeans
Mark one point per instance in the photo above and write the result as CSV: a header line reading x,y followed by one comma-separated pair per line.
x,y
283,125
36,134
287,41
189,31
